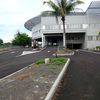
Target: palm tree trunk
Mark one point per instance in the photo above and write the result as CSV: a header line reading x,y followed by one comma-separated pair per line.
x,y
64,33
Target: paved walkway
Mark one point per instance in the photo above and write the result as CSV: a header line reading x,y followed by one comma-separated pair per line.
x,y
82,81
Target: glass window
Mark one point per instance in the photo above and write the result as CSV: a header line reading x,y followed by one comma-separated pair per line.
x,y
43,27
74,26
85,26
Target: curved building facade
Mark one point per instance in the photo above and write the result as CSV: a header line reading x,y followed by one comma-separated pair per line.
x,y
81,29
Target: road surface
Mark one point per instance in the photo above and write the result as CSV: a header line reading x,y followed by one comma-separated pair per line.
x,y
13,61
82,79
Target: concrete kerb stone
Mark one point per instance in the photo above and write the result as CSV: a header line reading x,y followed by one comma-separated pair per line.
x,y
70,54
1,52
56,83
90,51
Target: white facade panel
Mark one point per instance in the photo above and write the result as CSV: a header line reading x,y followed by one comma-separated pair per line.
x,y
89,24
36,31
92,44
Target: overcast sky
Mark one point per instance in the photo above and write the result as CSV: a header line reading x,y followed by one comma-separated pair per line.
x,y
14,13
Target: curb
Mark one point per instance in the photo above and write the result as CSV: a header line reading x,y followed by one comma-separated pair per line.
x,y
1,52
15,72
91,52
56,83
70,54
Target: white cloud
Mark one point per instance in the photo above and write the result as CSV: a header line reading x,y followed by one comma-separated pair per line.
x,y
8,5
14,13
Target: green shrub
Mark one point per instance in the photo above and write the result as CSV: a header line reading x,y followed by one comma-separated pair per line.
x,y
97,47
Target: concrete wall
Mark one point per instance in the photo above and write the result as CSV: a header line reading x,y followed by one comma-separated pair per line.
x,y
92,31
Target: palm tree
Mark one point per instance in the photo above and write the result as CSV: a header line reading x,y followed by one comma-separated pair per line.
x,y
63,8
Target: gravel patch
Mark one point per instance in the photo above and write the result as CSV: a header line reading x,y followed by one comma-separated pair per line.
x,y
32,83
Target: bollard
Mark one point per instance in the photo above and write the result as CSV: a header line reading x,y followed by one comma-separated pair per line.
x,y
47,60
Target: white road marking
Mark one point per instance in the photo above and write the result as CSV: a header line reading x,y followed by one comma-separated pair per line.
x,y
30,52
27,52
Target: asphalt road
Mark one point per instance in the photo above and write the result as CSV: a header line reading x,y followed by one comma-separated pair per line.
x,y
82,79
11,62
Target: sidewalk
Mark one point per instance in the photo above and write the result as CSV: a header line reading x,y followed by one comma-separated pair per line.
x,y
32,83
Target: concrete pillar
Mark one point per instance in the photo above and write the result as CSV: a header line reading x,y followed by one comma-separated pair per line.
x,y
43,40
64,40
34,44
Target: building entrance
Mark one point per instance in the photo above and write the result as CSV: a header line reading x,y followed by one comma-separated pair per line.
x,y
75,40
74,46
54,39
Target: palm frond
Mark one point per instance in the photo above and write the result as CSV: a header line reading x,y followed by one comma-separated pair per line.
x,y
75,3
61,4
53,6
72,4
62,7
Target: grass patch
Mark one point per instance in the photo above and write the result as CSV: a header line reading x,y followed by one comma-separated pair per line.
x,y
41,61
56,61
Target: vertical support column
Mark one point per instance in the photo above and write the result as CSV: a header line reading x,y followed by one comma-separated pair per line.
x,y
64,40
34,44
85,42
43,40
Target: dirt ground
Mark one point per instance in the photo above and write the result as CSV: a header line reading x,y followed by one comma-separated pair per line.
x,y
32,83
